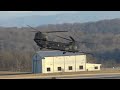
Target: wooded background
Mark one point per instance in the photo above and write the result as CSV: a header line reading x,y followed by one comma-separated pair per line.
x,y
17,45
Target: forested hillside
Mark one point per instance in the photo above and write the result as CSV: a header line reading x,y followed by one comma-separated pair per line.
x,y
17,45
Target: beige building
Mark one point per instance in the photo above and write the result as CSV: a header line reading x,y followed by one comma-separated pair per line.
x,y
92,67
56,61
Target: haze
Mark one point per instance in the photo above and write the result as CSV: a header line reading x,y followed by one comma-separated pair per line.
x,y
35,18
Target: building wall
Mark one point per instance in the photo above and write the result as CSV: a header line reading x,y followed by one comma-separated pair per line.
x,y
37,64
59,62
47,63
92,67
69,63
80,61
64,63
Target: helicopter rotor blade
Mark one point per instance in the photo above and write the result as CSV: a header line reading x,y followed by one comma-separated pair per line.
x,y
54,31
34,31
63,38
87,53
33,28
85,42
72,38
46,31
49,31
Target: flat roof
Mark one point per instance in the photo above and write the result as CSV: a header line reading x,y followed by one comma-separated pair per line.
x,y
56,53
94,63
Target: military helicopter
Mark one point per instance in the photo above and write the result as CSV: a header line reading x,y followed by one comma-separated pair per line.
x,y
42,41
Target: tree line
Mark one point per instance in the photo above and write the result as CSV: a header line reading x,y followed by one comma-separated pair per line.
x,y
17,45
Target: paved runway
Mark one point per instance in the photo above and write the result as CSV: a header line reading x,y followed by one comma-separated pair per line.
x,y
70,76
112,76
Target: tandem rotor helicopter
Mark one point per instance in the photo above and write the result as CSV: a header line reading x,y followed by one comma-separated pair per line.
x,y
42,41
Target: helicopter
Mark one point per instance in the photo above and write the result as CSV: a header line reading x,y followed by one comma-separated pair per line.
x,y
42,41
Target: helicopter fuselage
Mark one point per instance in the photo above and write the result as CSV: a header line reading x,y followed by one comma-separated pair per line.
x,y
42,41
57,45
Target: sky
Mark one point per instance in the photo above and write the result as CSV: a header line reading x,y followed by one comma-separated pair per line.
x,y
88,14
12,14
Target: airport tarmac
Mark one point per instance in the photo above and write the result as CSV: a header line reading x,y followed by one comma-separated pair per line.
x,y
69,76
111,76
94,76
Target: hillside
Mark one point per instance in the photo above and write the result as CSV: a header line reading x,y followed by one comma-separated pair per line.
x,y
17,45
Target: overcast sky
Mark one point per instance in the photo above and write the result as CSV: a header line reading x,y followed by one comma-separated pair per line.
x,y
12,14
83,14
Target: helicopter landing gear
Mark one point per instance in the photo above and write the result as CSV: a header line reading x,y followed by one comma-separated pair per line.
x,y
64,52
41,48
